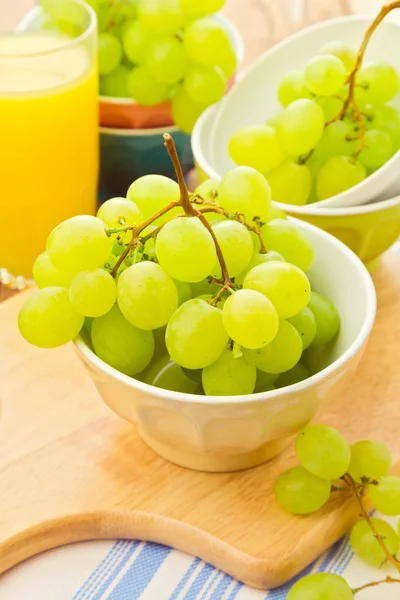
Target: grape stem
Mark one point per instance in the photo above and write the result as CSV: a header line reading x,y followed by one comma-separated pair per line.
x,y
374,584
190,210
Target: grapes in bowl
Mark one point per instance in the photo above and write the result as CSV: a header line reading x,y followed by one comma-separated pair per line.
x,y
210,320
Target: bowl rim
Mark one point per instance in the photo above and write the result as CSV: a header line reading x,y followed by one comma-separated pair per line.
x,y
361,18
327,372
238,43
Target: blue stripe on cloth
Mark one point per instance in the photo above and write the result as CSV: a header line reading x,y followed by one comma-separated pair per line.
x,y
221,588
140,573
200,580
98,575
184,579
235,591
131,548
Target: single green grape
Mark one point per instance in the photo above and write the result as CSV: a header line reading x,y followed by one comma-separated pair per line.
x,y
290,183
185,110
116,83
344,52
47,319
301,126
45,274
79,243
205,84
244,190
109,53
205,40
120,344
339,174
284,284
256,146
145,89
282,354
369,459
196,336
164,373
250,319
321,586
93,293
161,16
195,10
119,211
265,381
336,141
386,118
289,241
258,259
236,246
136,41
378,149
385,496
167,60
376,84
229,376
186,250
293,87
323,451
146,295
325,75
366,546
298,373
299,492
306,325
151,193
208,190
326,317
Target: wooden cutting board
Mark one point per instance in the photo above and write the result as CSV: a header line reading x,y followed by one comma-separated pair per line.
x,y
70,470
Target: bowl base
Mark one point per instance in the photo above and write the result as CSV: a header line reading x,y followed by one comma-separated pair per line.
x,y
216,462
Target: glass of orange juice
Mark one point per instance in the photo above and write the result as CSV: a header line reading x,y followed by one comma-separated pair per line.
x,y
48,128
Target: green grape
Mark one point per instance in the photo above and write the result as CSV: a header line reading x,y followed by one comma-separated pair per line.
x,y
109,53
119,211
161,16
229,376
205,40
256,146
196,336
116,83
331,105
295,375
184,290
366,546
186,250
386,118
236,245
185,110
334,141
321,586
79,243
66,15
167,60
93,293
299,492
164,373
205,84
293,87
127,9
385,496
47,319
284,284
151,193
147,296
344,52
323,451
258,259
45,274
326,318
120,344
284,238
195,10
325,75
290,183
339,174
301,126
378,149
244,190
282,354
369,459
306,325
376,83
146,89
227,61
208,190
265,381
250,319
136,41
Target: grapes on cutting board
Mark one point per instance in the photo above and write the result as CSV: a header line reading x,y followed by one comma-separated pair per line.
x,y
154,51
337,126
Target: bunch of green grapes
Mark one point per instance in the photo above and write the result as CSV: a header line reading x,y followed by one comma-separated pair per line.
x,y
326,459
161,50
156,298
311,151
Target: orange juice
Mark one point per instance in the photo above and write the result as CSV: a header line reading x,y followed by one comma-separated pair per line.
x,y
48,140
